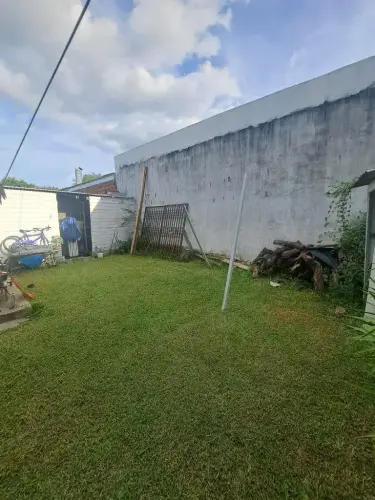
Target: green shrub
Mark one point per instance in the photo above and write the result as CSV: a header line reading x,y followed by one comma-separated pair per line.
x,y
349,233
364,334
349,276
123,246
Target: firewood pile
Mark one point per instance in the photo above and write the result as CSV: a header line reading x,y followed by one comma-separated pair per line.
x,y
297,259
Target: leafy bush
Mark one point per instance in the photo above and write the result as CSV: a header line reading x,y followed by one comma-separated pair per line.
x,y
51,259
123,246
365,336
349,276
349,233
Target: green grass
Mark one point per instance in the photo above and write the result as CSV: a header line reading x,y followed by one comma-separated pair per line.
x,y
130,383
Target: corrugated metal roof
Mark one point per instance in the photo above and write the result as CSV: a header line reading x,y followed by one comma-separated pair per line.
x,y
58,191
94,182
365,179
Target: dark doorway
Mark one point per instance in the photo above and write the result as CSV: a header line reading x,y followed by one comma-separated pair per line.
x,y
77,206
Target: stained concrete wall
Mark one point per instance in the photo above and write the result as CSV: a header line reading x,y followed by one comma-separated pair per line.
x,y
291,161
343,82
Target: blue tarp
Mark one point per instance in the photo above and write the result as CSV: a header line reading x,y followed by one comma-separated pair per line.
x,y
31,261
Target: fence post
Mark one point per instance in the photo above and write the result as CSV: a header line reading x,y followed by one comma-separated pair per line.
x,y
234,248
139,212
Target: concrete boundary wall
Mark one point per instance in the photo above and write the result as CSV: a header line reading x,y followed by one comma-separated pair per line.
x,y
290,161
343,82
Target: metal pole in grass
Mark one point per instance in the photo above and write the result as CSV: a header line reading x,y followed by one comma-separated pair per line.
x,y
196,237
234,248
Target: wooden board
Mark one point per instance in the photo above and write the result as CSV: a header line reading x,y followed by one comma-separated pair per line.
x,y
139,212
226,261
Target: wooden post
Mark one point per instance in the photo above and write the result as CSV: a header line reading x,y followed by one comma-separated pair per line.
x,y
139,212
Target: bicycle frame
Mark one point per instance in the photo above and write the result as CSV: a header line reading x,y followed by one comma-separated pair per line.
x,y
31,237
26,238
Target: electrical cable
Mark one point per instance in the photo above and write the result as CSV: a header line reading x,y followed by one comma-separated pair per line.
x,y
48,86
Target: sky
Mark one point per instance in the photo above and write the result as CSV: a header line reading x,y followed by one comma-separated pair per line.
x,y
140,69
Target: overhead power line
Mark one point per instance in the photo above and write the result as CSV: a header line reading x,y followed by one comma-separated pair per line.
x,y
48,85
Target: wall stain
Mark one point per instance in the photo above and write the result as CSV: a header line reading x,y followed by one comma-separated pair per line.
x,y
288,161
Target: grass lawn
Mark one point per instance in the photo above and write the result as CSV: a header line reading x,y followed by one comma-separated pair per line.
x,y
130,383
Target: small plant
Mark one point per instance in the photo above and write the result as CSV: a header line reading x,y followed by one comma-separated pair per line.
x,y
128,217
365,336
349,233
340,207
123,246
52,257
349,282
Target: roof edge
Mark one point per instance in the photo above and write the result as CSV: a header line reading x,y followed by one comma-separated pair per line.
x,y
93,182
338,84
68,193
365,179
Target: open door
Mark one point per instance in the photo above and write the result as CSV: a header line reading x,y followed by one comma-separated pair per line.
x,y
77,206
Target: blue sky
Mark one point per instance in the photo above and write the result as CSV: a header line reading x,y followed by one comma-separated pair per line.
x,y
136,72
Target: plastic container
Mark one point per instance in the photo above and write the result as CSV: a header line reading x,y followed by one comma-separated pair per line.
x,y
31,261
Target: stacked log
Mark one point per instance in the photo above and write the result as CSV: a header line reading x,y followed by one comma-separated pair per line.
x,y
296,258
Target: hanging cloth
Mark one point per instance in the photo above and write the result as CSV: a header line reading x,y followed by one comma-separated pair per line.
x,y
70,231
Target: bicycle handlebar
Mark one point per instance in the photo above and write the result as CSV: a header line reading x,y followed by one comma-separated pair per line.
x,y
41,229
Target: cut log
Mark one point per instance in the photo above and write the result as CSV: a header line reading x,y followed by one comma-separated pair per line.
x,y
317,269
307,261
255,270
289,244
269,260
296,266
288,254
281,250
285,264
262,253
318,277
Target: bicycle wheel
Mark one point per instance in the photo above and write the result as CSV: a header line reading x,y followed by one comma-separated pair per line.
x,y
9,242
44,240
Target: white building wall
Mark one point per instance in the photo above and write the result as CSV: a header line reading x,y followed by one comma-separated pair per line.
x,y
23,209
343,82
107,215
290,161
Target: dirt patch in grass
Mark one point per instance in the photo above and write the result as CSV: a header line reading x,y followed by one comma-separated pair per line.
x,y
280,312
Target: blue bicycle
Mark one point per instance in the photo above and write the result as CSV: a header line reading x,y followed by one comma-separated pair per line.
x,y
33,236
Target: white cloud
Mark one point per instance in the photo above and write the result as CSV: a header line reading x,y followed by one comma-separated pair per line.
x,y
166,35
15,85
338,41
117,83
317,38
